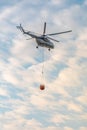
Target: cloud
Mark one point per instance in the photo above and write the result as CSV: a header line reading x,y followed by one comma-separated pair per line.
x,y
38,101
24,105
82,98
3,92
85,2
83,128
67,128
73,74
59,118
71,106
58,2
74,107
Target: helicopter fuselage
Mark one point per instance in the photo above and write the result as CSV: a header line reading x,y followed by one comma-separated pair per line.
x,y
41,41
44,42
44,39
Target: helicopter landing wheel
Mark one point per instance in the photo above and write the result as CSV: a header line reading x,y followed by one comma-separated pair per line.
x,y
49,49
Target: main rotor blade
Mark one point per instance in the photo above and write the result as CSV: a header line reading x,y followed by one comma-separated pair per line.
x,y
44,31
52,39
59,33
29,38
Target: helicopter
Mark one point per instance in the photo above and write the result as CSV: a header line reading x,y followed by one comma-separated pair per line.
x,y
43,40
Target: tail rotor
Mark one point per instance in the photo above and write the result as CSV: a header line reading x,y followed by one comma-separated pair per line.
x,y
20,28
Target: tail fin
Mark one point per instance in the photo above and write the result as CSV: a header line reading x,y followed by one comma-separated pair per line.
x,y
21,28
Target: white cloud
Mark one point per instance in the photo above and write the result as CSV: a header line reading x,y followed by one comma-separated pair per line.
x,y
83,128
85,2
3,92
71,106
44,13
59,118
83,34
38,101
10,77
67,128
69,77
74,107
83,97
58,2
23,53
83,116
82,49
52,128
5,13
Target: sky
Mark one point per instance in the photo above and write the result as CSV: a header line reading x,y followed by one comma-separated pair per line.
x,y
63,103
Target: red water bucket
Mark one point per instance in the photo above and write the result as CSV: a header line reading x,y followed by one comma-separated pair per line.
x,y
42,87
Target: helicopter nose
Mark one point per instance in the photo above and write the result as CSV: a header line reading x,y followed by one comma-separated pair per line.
x,y
52,45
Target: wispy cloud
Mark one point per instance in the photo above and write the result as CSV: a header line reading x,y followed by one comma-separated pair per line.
x,y
62,105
